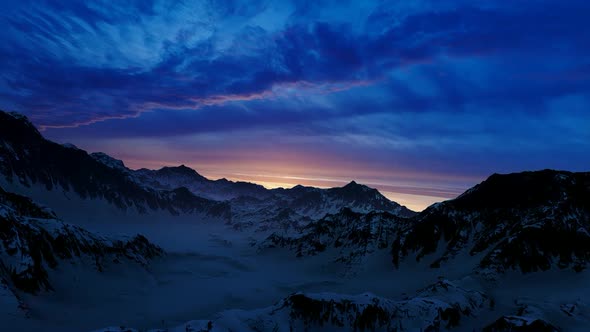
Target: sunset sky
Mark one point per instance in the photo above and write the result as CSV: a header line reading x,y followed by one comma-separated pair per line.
x,y
420,99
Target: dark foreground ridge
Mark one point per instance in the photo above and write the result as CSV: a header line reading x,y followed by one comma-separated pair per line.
x,y
528,221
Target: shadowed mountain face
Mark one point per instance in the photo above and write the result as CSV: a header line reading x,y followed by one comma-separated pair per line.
x,y
528,221
27,158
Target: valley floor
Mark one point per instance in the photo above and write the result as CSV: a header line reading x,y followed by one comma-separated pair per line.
x,y
209,269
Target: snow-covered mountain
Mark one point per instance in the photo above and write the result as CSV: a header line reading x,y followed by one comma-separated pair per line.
x,y
354,235
34,243
305,201
27,159
529,221
183,176
294,208
316,203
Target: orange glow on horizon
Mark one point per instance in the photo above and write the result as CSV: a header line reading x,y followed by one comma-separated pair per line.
x,y
412,189
413,201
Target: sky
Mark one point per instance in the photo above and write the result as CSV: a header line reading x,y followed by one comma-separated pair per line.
x,y
420,99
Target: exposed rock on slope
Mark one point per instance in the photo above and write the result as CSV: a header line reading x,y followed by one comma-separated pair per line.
x,y
354,234
527,221
33,242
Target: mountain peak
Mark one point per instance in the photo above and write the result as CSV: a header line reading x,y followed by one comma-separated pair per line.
x,y
108,160
17,127
181,170
353,185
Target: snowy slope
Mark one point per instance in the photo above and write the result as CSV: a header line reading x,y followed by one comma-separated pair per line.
x,y
33,243
436,307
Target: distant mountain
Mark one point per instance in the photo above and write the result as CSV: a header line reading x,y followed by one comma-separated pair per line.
x,y
288,210
530,221
26,159
305,201
316,203
183,176
33,243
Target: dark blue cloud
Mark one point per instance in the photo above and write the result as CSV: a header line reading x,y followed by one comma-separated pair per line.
x,y
316,51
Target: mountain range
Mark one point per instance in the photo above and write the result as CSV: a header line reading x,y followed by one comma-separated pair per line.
x,y
30,160
509,254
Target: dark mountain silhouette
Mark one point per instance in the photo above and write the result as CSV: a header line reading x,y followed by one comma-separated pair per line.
x,y
27,159
528,221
